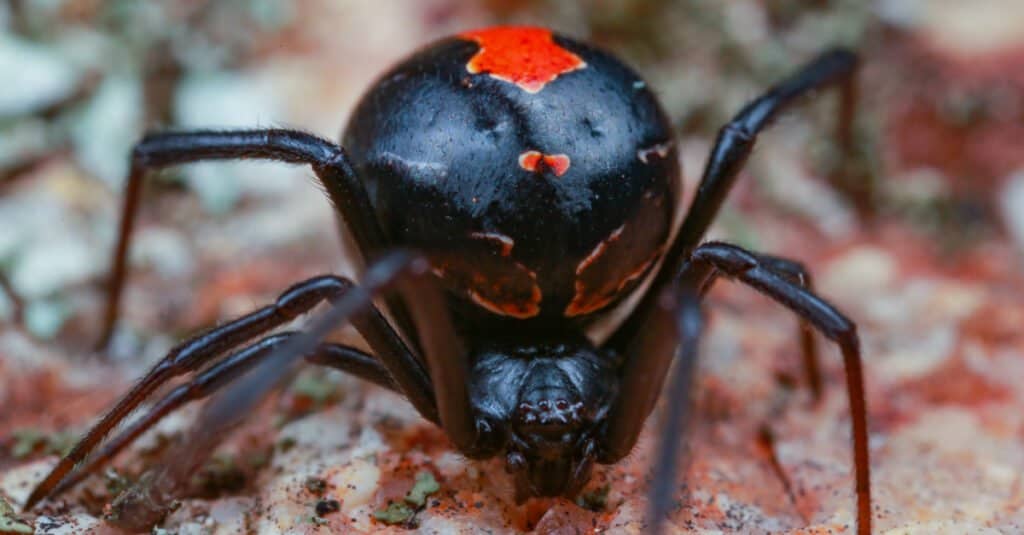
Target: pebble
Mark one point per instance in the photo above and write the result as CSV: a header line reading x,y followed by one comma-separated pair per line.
x,y
1011,206
34,76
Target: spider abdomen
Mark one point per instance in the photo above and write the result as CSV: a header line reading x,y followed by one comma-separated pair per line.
x,y
537,173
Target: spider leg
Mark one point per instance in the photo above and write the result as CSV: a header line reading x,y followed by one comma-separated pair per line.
x,y
712,260
388,273
649,356
646,361
446,360
208,381
354,362
797,273
688,323
328,160
735,141
17,304
194,353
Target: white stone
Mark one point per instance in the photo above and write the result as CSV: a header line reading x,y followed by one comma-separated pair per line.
x,y
104,133
34,76
1011,206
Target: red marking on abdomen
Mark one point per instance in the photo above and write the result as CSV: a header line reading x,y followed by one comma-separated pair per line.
x,y
516,309
599,250
588,300
532,161
522,55
504,243
660,150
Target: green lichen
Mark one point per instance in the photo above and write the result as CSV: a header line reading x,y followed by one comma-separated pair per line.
x,y
394,513
28,441
8,522
319,389
404,511
425,486
25,442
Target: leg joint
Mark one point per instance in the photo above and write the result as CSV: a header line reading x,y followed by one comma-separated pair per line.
x,y
729,259
302,297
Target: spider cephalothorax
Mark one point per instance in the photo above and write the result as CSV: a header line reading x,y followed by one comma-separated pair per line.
x,y
544,404
506,186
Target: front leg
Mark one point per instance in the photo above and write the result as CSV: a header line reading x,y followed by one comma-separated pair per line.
x,y
711,260
650,354
447,363
797,273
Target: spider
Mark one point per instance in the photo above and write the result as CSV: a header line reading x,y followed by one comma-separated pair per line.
x,y
505,186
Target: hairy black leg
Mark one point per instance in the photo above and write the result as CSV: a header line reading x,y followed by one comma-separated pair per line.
x,y
208,381
354,362
194,353
797,273
712,260
446,358
328,160
645,364
735,141
383,275
649,355
674,430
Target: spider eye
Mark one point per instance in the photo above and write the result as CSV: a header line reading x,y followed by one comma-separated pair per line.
x,y
549,417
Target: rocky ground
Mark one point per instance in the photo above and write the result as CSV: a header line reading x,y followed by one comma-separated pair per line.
x,y
934,283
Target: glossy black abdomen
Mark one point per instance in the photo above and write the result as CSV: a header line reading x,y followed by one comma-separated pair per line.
x,y
538,173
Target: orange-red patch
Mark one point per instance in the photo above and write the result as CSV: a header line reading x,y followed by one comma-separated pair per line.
x,y
504,243
516,309
585,302
660,150
599,250
501,288
591,296
521,55
534,161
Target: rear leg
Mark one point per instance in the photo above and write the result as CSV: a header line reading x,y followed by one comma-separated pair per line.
x,y
328,160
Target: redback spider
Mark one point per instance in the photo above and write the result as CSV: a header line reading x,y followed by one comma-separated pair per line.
x,y
505,186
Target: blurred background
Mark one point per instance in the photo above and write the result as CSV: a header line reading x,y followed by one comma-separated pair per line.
x,y
934,280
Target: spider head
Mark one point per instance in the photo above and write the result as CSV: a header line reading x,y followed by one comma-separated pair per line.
x,y
550,450
545,403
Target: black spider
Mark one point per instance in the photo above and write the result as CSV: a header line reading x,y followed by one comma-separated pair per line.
x,y
505,186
